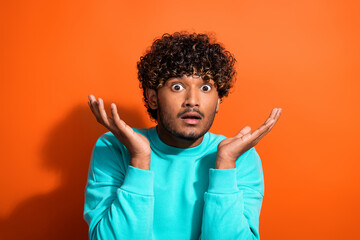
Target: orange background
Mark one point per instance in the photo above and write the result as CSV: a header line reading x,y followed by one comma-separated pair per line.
x,y
301,56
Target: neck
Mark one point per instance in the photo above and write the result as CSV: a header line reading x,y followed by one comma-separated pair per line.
x,y
174,141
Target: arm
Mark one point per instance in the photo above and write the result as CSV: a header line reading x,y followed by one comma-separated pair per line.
x,y
119,202
233,200
236,186
119,199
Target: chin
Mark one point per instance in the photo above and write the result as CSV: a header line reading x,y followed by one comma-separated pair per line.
x,y
189,136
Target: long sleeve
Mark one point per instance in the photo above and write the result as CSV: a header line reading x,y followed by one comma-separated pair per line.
x,y
233,200
119,198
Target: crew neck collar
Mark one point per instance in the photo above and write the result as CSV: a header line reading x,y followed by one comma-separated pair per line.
x,y
163,147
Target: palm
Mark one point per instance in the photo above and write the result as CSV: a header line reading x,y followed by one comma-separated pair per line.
x,y
231,148
137,144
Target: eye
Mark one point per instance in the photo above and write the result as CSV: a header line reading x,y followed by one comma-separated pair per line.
x,y
177,87
206,87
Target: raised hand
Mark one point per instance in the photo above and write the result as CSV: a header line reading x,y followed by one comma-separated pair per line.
x,y
137,144
231,148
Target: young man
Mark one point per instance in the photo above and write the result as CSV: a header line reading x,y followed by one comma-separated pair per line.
x,y
176,180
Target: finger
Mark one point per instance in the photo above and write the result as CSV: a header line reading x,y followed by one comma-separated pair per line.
x,y
262,129
243,131
90,97
90,105
272,115
265,127
94,107
246,134
271,125
247,137
105,118
260,135
278,114
120,124
90,100
276,118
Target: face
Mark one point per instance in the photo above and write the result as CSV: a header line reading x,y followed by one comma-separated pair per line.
x,y
186,108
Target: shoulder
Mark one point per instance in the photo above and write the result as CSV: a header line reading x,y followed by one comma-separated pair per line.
x,y
108,144
109,140
214,139
109,158
143,131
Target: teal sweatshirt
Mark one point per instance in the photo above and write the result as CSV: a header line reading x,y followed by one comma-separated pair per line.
x,y
181,197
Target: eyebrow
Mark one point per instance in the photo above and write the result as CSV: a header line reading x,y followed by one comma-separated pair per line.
x,y
182,80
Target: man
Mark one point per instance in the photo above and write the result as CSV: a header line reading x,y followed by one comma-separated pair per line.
x,y
176,180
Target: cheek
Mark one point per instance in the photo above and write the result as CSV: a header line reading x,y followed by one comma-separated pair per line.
x,y
211,105
170,101
167,107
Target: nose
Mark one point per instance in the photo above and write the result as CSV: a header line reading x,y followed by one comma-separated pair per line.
x,y
192,98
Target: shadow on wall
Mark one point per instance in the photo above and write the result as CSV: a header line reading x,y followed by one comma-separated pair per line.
x,y
58,214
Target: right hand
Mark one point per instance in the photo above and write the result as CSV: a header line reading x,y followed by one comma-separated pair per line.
x,y
137,144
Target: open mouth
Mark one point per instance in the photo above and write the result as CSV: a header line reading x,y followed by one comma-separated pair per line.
x,y
191,118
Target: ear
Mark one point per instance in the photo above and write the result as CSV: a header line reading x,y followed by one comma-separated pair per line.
x,y
151,95
218,105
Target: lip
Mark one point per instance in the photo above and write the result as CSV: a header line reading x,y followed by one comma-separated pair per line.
x,y
191,121
191,118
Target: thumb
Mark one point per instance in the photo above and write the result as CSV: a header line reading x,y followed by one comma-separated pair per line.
x,y
243,131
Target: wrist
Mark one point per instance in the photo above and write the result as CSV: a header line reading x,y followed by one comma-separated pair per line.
x,y
141,162
222,164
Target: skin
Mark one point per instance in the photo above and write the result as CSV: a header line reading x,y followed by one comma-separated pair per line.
x,y
137,145
231,148
186,95
179,95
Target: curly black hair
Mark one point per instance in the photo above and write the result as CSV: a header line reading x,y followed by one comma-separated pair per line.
x,y
184,54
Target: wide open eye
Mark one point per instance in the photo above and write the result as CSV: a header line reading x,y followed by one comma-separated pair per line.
x,y
177,87
206,87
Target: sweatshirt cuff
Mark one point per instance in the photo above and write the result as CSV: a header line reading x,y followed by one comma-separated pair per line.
x,y
139,181
222,181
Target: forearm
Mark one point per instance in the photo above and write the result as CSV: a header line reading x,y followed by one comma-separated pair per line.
x,y
128,214
224,218
225,214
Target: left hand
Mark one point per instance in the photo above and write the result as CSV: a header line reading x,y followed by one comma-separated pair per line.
x,y
231,148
